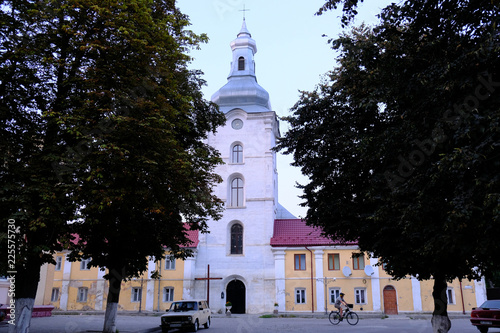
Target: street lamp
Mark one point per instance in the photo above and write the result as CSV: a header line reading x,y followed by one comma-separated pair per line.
x,y
326,281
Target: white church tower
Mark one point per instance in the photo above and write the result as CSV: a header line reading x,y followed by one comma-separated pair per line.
x,y
237,249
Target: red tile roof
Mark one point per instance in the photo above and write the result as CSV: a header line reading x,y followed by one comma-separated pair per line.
x,y
296,233
193,237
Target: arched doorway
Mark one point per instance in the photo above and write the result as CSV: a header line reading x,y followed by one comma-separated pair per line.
x,y
235,293
390,301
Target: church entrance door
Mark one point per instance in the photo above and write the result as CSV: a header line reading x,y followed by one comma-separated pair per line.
x,y
235,293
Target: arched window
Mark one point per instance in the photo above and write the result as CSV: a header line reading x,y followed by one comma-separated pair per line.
x,y
237,154
237,192
241,64
237,239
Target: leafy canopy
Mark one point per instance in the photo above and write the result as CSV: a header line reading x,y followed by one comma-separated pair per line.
x,y
103,125
32,199
401,140
143,171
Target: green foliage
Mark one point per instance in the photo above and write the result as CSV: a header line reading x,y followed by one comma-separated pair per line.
x,y
103,126
32,197
348,9
400,141
135,134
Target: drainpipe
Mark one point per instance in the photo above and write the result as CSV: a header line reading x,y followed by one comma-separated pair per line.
x,y
140,295
462,296
159,286
312,280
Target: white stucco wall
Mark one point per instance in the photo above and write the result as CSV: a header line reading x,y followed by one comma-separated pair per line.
x,y
255,267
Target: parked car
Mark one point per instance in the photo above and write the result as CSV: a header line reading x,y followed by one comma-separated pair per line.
x,y
486,316
186,314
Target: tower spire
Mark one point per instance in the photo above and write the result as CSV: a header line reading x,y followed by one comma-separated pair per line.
x,y
242,90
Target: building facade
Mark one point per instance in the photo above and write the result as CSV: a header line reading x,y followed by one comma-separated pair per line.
x,y
258,254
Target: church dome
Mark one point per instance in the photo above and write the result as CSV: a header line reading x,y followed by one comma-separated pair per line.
x,y
242,90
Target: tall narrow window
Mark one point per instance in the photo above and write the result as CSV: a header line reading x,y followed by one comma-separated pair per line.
x,y
136,295
58,263
237,154
358,261
241,64
450,295
333,262
236,239
55,295
82,294
300,262
237,192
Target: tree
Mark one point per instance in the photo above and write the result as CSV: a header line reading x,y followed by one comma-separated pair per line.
x,y
35,206
150,174
400,142
127,122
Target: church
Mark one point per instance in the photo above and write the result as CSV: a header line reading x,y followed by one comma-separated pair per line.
x,y
258,256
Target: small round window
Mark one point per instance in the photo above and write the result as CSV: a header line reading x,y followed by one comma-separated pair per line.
x,y
237,124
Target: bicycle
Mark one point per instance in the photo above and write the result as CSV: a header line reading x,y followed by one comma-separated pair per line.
x,y
351,317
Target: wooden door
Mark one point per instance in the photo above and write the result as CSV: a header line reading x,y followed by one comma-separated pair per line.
x,y
390,301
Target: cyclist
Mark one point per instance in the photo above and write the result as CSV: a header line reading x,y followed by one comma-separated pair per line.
x,y
341,304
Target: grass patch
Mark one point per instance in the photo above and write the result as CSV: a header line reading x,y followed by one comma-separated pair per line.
x,y
278,316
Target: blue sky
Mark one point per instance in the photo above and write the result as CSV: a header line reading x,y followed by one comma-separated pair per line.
x,y
291,55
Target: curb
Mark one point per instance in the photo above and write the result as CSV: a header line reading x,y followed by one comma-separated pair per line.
x,y
322,315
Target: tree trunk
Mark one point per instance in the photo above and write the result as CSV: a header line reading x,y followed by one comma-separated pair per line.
x,y
25,284
115,283
22,321
110,317
440,321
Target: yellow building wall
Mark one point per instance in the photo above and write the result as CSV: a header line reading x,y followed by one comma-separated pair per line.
x,y
58,275
56,304
298,279
469,295
89,278
169,278
335,279
74,285
126,303
82,278
56,282
404,292
48,286
44,288
467,289
53,280
293,279
347,285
